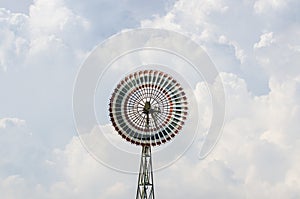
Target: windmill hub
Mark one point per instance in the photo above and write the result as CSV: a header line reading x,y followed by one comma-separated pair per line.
x,y
147,108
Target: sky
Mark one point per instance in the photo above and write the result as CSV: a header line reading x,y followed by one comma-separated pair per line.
x,y
254,44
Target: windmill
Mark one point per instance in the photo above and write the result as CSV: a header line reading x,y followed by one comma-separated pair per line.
x,y
148,108
144,109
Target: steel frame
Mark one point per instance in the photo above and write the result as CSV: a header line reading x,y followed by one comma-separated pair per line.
x,y
145,188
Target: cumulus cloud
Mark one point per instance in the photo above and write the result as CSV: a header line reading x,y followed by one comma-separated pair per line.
x,y
52,17
259,131
229,30
254,43
262,6
246,163
73,174
45,32
40,52
277,53
13,33
265,40
239,52
220,29
11,122
19,152
197,20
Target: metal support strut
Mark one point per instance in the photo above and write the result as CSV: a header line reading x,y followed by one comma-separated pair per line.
x,y
145,189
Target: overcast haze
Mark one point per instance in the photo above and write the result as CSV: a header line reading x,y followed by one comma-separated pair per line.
x,y
255,44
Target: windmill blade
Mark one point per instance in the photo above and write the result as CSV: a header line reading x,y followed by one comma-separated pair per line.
x,y
144,93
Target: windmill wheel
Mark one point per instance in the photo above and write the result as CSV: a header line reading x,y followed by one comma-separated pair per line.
x,y
148,107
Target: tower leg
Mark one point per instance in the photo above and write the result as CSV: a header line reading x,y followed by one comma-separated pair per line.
x,y
145,189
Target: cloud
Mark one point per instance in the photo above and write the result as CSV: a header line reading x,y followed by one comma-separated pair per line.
x,y
262,6
40,53
11,122
277,54
20,152
218,27
115,191
16,6
56,22
259,132
239,167
44,33
265,40
245,163
254,44
13,33
38,62
73,173
229,30
239,53
52,17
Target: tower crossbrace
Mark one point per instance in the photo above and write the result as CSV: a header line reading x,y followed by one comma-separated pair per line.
x,y
145,188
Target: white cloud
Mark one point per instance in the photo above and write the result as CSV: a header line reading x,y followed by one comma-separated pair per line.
x,y
188,17
239,52
39,56
245,163
14,42
51,17
73,173
207,22
266,39
228,31
276,53
81,175
16,6
257,156
262,6
46,32
239,167
115,191
11,122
